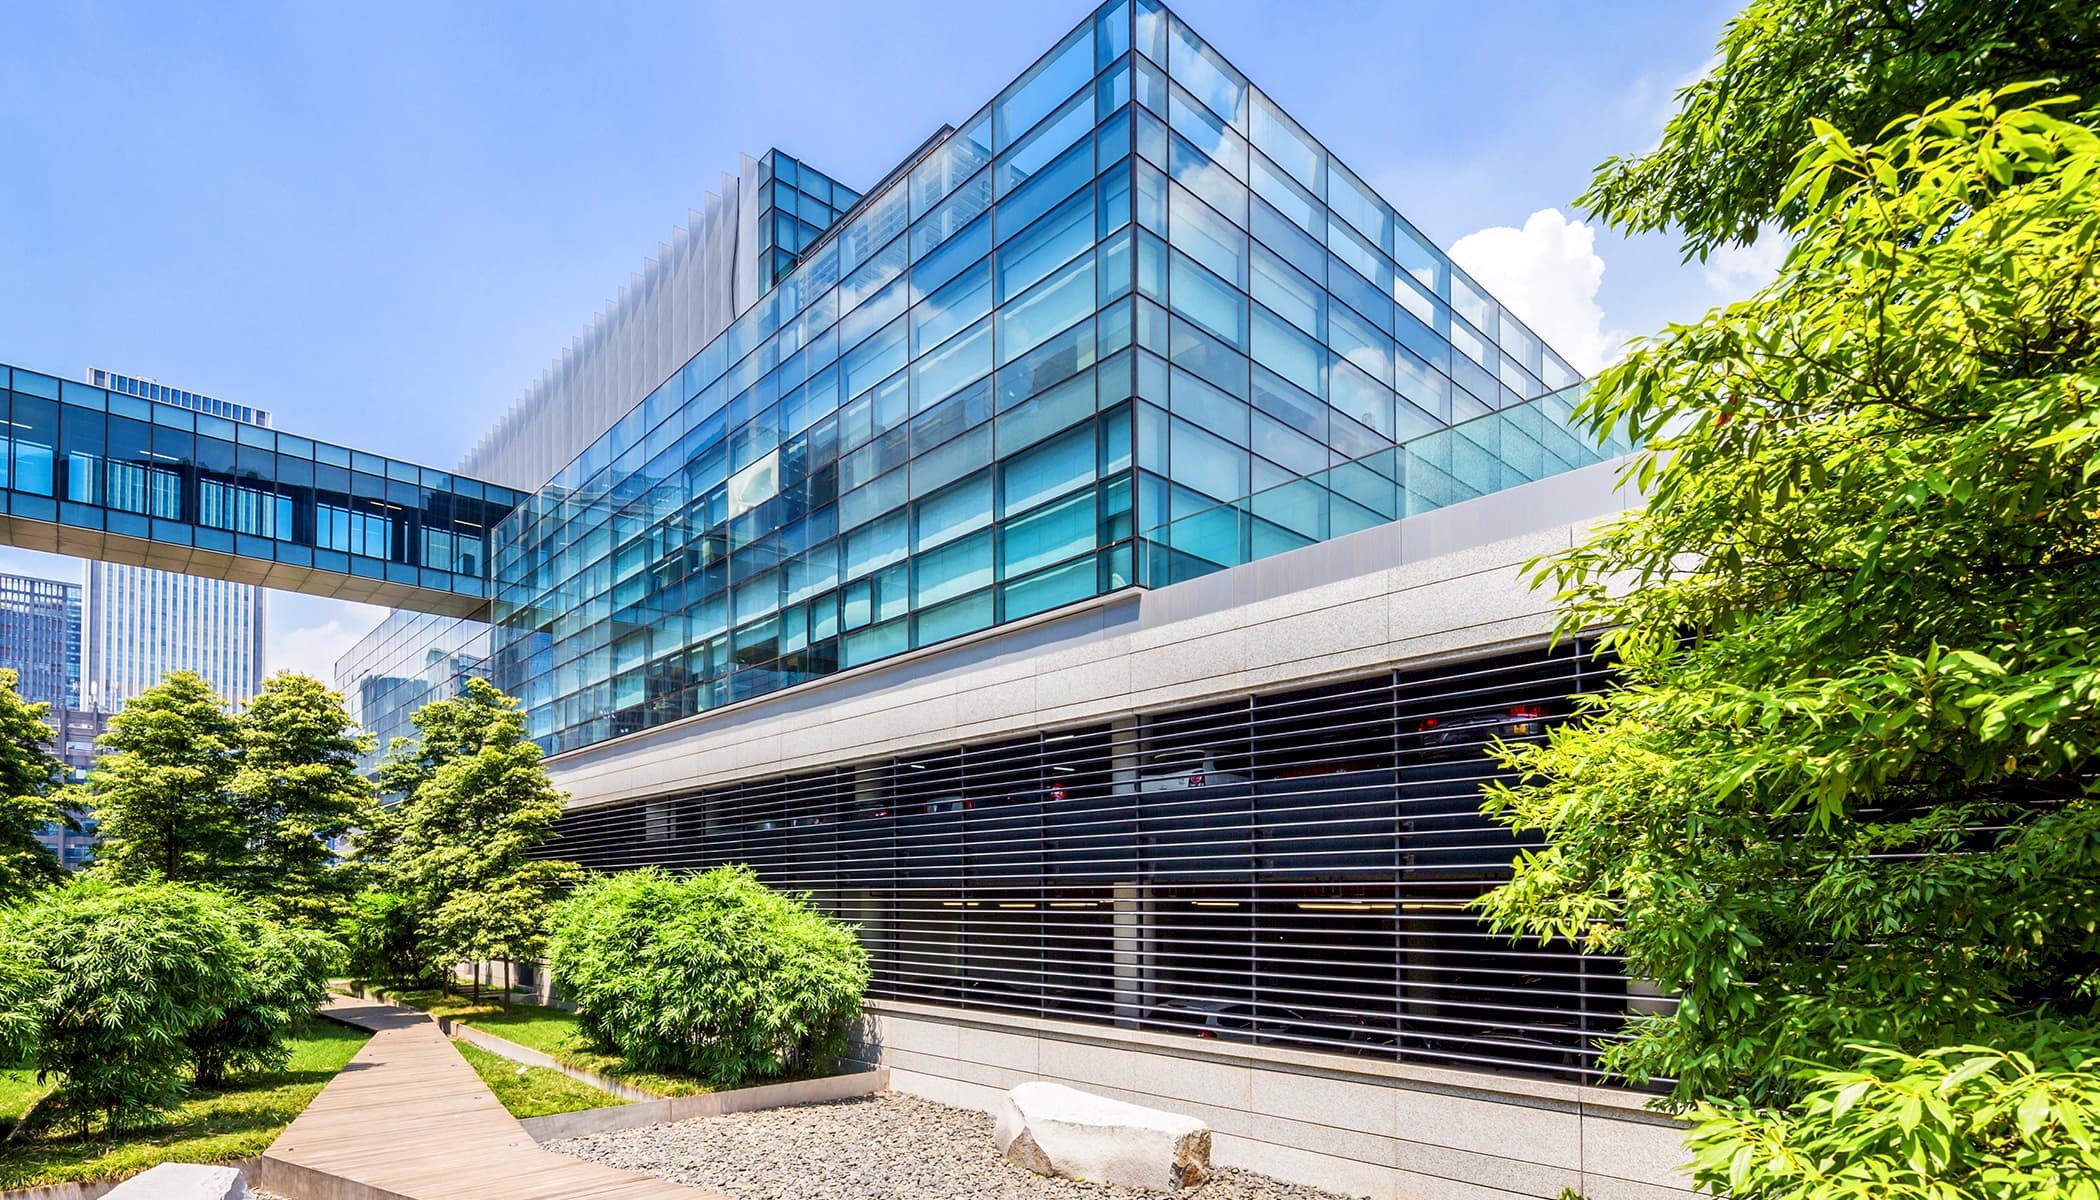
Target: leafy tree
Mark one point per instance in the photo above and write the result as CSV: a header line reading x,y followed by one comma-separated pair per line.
x,y
1725,158
504,919
1846,795
29,778
477,803
714,974
109,984
297,790
160,788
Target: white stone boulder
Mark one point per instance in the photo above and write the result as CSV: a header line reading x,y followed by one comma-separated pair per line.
x,y
1055,1130
182,1181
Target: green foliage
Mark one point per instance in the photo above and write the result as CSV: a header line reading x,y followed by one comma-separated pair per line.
x,y
1856,803
1724,160
476,801
160,788
113,990
1957,1121
29,778
286,969
382,940
297,790
713,974
1871,495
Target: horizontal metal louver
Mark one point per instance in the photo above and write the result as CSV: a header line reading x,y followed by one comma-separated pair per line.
x,y
1292,868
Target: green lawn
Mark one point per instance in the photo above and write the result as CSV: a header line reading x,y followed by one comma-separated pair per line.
x,y
18,1090
533,1091
551,1031
237,1122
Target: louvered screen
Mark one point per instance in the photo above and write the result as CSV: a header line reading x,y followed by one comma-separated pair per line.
x,y
1290,868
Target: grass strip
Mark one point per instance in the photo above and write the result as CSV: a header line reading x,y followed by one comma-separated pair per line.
x,y
237,1121
533,1091
551,1031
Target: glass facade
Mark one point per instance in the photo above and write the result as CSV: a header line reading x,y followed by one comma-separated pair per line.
x,y
796,204
87,458
1127,305
1126,324
409,660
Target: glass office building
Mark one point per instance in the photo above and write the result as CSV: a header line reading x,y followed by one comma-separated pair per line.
x,y
40,638
1126,324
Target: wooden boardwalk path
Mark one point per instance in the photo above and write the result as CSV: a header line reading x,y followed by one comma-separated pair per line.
x,y
408,1119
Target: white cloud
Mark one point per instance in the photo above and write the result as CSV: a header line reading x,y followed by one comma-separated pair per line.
x,y
1548,274
312,650
1733,272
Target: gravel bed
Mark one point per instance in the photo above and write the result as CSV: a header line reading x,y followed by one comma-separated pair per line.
x,y
881,1147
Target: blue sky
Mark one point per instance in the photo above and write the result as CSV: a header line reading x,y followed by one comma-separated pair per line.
x,y
382,221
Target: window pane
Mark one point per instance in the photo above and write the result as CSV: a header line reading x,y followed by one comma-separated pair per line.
x,y
1292,296
1289,353
1031,97
1045,246
1203,72
964,153
1208,134
1206,464
964,299
1034,152
954,215
1047,535
871,277
874,359
881,221
1207,300
1356,204
1206,237
1055,304
954,511
939,374
1048,470
1280,138
951,570
1419,258
1046,191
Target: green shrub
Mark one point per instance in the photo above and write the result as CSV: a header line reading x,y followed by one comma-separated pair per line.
x,y
383,940
714,975
116,990
287,968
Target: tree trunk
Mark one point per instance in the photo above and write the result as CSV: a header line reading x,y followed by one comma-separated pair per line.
x,y
477,982
506,985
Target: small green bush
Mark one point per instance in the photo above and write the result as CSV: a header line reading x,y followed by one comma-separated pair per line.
x,y
713,975
382,939
286,968
122,992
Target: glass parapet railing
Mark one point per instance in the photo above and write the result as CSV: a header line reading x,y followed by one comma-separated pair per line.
x,y
1520,444
88,464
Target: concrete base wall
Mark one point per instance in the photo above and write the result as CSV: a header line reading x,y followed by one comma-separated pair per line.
x,y
1355,1126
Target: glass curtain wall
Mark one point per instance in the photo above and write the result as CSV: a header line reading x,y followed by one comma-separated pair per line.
x,y
1127,291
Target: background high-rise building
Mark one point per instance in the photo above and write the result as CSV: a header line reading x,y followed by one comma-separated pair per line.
x,y
143,623
40,638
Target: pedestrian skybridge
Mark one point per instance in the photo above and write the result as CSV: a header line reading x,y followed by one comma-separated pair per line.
x,y
104,475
